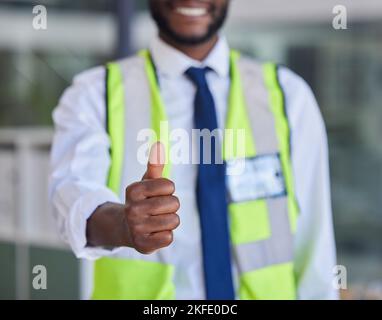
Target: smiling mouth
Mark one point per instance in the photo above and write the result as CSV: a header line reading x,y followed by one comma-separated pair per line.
x,y
191,12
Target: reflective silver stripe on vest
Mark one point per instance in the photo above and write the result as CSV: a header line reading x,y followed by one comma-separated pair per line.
x,y
259,112
279,247
275,250
137,115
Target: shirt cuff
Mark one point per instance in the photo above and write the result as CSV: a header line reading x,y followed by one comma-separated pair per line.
x,y
76,224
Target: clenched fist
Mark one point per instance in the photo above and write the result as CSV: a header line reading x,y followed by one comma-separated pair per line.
x,y
148,218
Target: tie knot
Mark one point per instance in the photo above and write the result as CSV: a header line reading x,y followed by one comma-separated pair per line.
x,y
197,76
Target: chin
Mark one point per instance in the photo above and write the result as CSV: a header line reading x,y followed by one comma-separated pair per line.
x,y
192,35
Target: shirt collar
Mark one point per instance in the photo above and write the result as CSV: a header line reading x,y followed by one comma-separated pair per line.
x,y
172,63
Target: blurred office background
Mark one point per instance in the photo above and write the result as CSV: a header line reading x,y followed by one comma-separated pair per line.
x,y
344,68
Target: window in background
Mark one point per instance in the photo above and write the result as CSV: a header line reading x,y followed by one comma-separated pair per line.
x,y
38,65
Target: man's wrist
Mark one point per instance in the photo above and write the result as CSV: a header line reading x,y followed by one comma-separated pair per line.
x,y
106,226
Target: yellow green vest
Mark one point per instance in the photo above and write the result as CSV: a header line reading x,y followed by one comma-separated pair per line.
x,y
261,229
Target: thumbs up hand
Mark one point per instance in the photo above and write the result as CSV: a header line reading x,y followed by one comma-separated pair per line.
x,y
147,219
150,208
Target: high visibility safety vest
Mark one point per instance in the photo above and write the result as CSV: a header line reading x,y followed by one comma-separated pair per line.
x,y
262,224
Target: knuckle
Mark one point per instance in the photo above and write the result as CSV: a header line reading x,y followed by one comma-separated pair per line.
x,y
171,185
143,250
176,221
167,238
140,243
176,202
168,184
147,249
133,190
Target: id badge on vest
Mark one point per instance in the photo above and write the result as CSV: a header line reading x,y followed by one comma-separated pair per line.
x,y
255,178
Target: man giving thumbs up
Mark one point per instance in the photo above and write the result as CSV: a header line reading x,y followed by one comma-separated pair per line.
x,y
146,221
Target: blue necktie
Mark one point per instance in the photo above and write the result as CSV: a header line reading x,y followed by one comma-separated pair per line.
x,y
211,198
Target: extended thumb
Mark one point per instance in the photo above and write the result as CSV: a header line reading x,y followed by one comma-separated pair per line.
x,y
156,161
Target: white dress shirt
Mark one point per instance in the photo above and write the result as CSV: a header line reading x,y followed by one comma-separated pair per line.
x,y
80,162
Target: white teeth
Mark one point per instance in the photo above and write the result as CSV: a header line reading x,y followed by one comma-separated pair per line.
x,y
191,12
